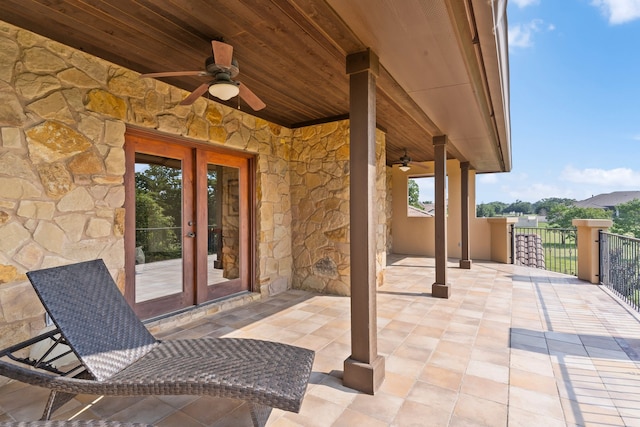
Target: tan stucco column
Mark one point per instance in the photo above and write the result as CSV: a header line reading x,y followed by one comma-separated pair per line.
x,y
364,369
501,238
440,287
465,259
589,247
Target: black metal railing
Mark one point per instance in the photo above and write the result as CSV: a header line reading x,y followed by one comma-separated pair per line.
x,y
553,249
620,266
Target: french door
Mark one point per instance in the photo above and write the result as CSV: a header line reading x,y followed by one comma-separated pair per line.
x,y
188,223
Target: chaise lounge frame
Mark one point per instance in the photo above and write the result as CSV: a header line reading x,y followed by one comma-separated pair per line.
x,y
119,357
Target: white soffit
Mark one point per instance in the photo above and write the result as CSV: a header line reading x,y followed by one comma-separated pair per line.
x,y
416,43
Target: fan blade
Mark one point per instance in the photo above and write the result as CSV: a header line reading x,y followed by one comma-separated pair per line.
x,y
222,53
175,74
251,98
200,90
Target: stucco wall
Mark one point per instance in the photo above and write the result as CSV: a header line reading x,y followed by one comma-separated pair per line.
x,y
415,235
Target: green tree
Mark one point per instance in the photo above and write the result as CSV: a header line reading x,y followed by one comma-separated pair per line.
x,y
490,209
544,206
149,218
627,220
561,215
164,184
414,194
519,207
485,210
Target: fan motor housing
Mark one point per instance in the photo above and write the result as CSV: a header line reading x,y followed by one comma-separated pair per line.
x,y
213,68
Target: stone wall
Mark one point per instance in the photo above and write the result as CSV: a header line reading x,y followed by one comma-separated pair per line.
x,y
320,207
63,116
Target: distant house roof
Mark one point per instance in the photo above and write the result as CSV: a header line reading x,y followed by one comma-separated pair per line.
x,y
429,210
608,200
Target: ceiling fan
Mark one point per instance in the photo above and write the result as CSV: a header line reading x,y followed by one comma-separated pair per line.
x,y
222,68
406,163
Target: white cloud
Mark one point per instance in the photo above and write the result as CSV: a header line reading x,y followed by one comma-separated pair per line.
x,y
521,35
524,3
618,11
614,178
487,178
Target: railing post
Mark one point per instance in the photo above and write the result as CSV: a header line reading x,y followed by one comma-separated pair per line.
x,y
600,255
587,231
512,230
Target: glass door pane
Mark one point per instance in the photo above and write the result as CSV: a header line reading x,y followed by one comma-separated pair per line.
x,y
223,224
158,215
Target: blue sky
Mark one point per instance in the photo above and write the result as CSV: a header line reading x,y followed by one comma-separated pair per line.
x,y
575,100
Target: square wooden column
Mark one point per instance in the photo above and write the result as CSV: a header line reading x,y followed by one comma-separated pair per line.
x,y
364,369
465,260
440,288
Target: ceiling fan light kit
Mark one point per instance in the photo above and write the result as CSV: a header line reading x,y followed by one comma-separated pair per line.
x,y
224,90
222,67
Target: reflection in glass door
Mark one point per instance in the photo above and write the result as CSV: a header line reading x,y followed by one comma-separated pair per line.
x,y
158,210
223,224
222,204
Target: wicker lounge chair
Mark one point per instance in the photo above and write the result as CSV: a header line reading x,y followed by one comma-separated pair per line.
x,y
119,357
75,423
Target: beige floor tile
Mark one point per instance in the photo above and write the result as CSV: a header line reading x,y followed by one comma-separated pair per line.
x,y
316,412
488,370
432,395
207,410
381,406
414,414
481,411
522,418
351,418
485,388
544,403
332,390
397,385
532,381
442,377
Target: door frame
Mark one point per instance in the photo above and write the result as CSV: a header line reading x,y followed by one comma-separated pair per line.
x,y
195,276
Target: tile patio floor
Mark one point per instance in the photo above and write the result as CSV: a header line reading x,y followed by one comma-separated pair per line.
x,y
512,346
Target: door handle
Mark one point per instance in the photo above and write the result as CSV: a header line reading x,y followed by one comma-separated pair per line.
x,y
191,234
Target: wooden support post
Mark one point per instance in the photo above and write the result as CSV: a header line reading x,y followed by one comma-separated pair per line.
x,y
465,260
440,287
364,369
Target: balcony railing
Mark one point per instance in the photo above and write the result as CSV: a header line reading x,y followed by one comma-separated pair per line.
x,y
620,266
553,249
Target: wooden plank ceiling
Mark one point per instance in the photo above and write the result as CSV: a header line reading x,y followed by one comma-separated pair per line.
x,y
291,53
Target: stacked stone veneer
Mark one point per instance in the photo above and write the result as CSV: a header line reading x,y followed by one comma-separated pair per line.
x,y
320,207
63,118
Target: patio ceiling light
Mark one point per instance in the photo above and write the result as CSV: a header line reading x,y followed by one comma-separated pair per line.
x,y
224,89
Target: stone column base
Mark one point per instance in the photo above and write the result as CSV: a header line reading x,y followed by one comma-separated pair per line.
x,y
364,377
439,290
465,264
